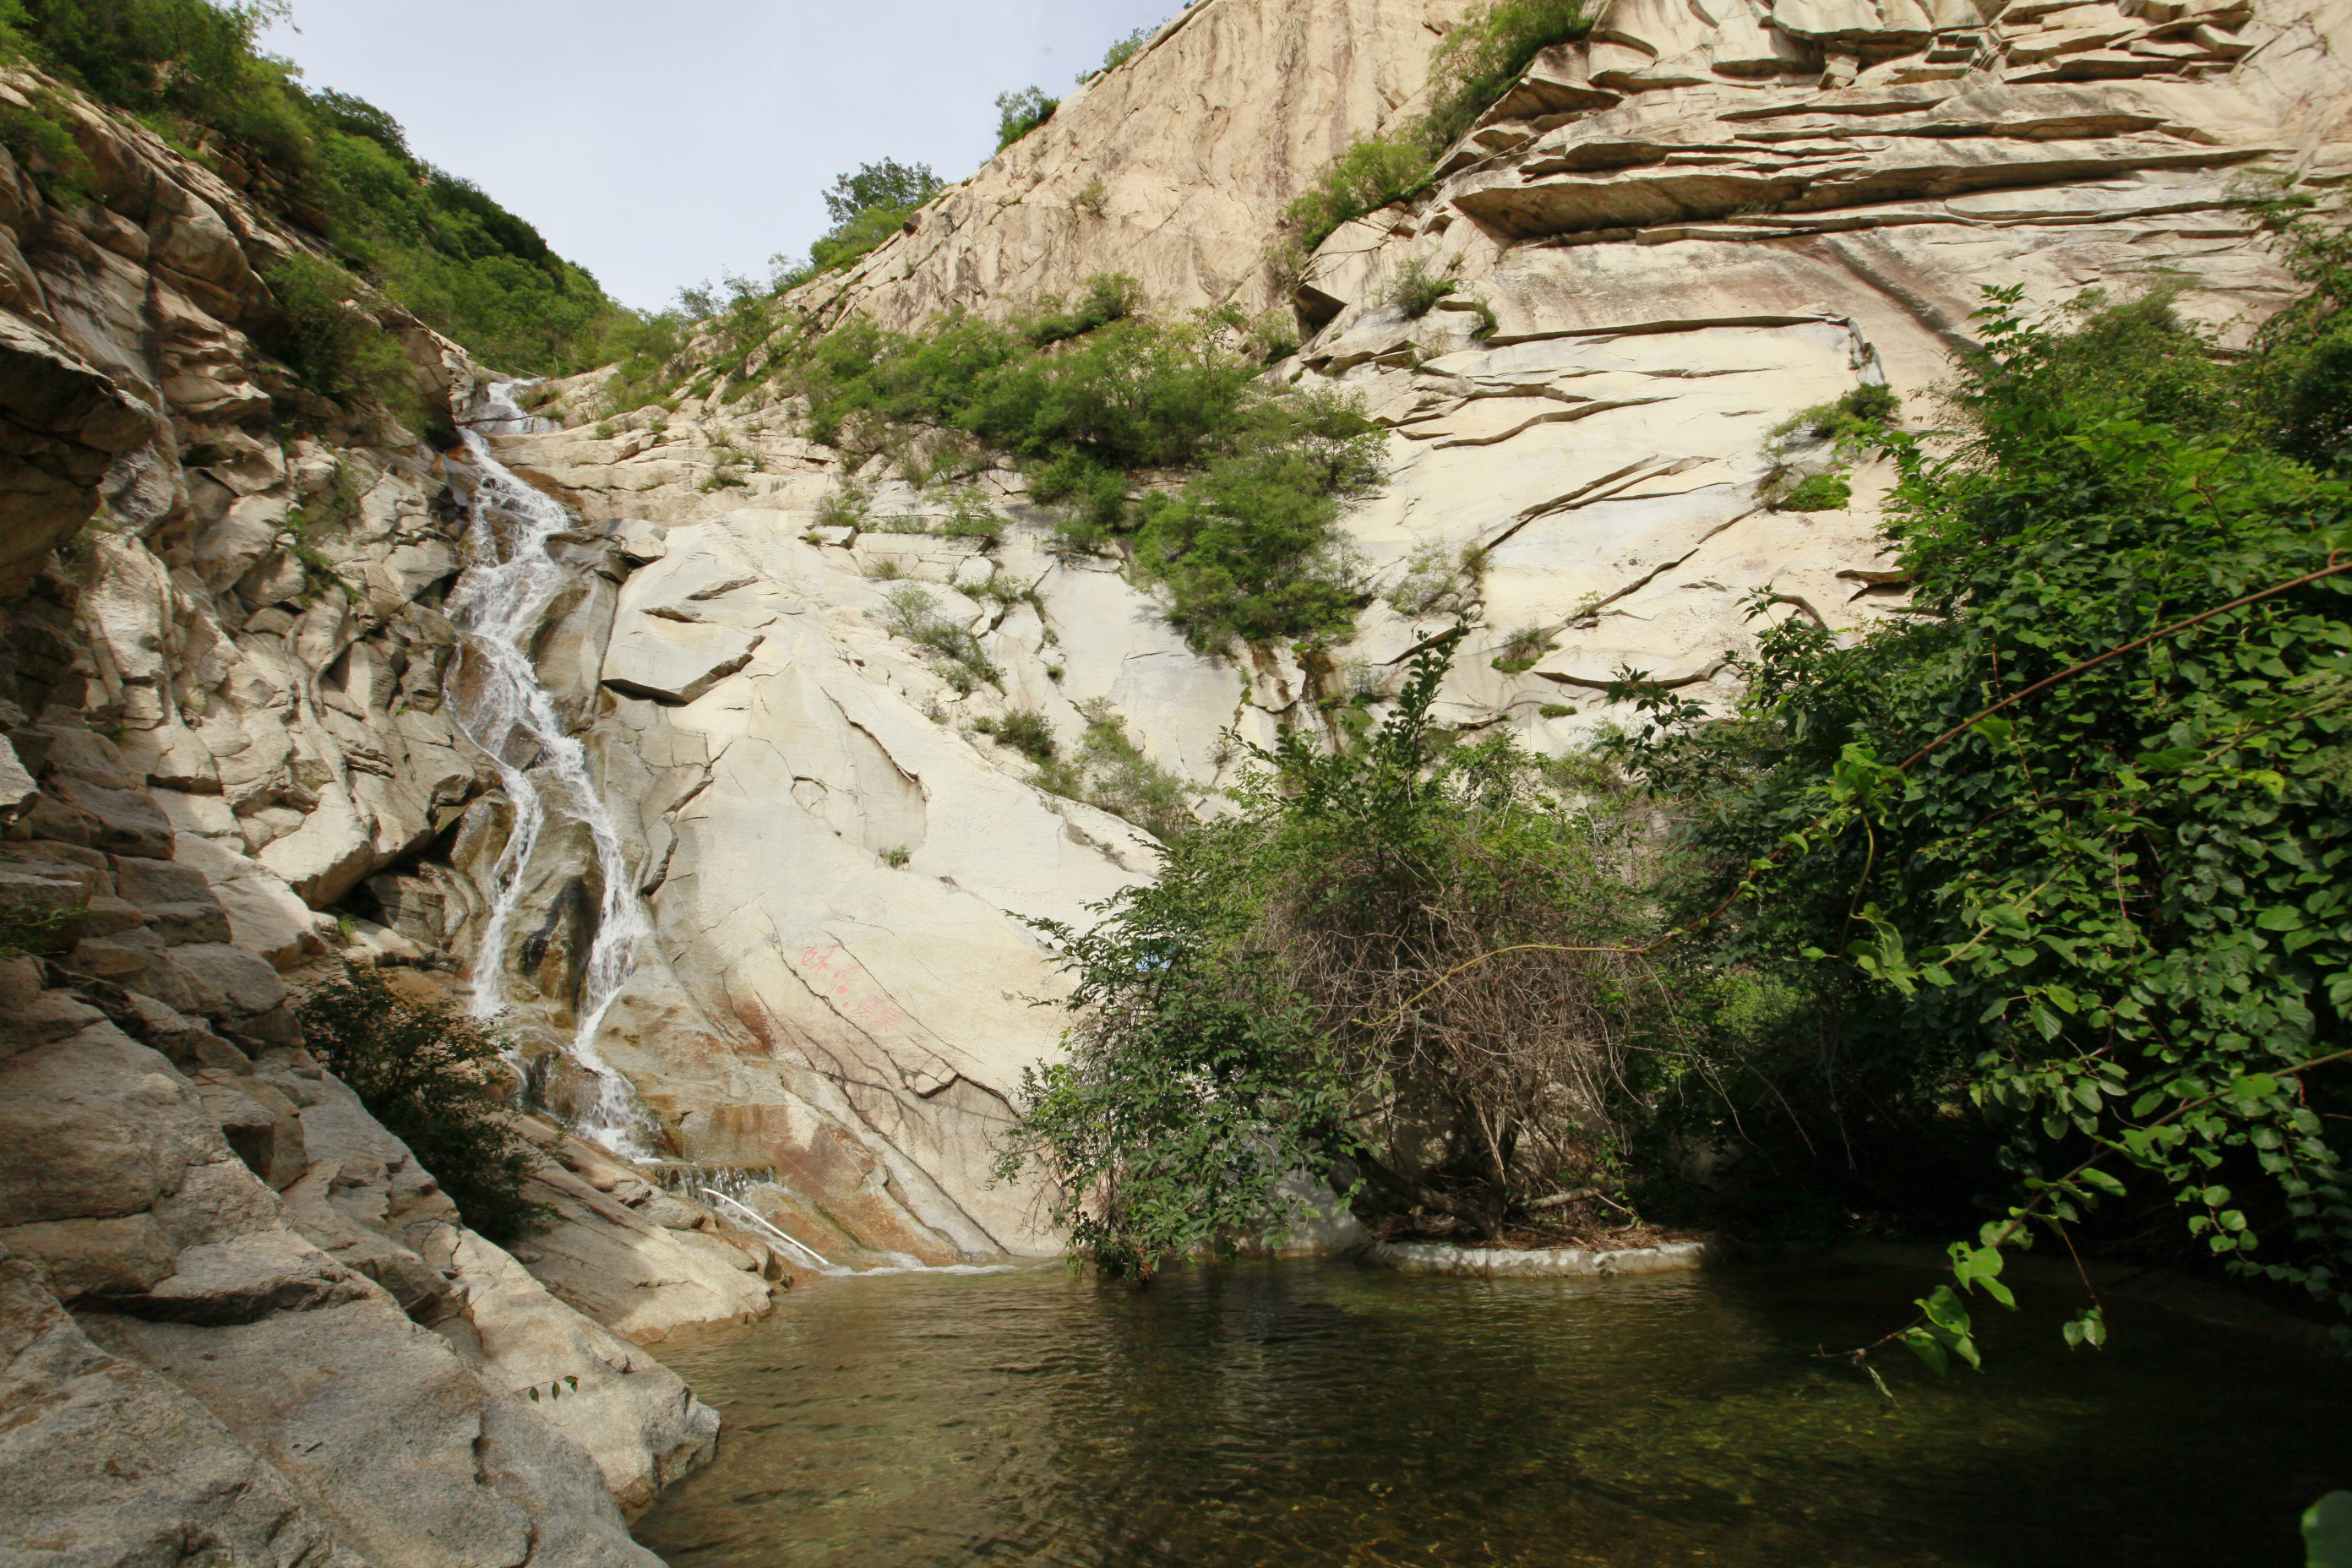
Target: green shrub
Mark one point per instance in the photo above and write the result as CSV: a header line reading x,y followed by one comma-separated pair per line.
x,y
1111,773
426,1072
334,348
1817,493
1555,710
1243,1017
1417,289
1246,547
1853,418
1019,113
328,162
2088,940
867,209
1027,733
914,615
1092,197
1372,173
41,138
1119,53
1109,297
1475,66
1479,60
897,855
1522,650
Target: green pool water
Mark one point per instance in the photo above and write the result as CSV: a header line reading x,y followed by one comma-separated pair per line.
x,y
1323,1414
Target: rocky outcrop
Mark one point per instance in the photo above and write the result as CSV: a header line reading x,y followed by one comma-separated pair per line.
x,y
1665,241
239,1322
1173,168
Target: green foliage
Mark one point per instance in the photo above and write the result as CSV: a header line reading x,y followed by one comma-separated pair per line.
x,y
1092,196
1277,1002
1478,60
1817,493
2110,916
326,337
426,1072
1025,732
1110,771
1475,66
1373,172
1019,113
326,161
1119,53
1853,418
1109,297
1246,547
1555,710
869,206
40,138
29,928
897,855
1436,581
1087,397
914,615
1417,289
1522,650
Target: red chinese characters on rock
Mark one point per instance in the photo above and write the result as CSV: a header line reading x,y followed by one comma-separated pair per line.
x,y
835,976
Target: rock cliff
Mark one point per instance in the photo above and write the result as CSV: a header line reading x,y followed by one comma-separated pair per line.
x,y
239,1322
1663,241
753,873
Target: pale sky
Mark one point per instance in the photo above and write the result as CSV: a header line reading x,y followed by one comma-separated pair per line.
x,y
661,143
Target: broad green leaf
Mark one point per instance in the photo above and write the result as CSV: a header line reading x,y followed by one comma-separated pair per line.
x,y
1927,1348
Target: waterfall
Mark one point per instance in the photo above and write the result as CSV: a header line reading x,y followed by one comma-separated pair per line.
x,y
498,606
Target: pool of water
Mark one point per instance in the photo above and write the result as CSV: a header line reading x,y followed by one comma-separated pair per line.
x,y
1308,1415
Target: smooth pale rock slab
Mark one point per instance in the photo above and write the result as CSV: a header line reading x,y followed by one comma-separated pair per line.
x,y
675,661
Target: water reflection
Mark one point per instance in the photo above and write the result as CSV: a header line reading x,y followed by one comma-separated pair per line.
x,y
1310,1415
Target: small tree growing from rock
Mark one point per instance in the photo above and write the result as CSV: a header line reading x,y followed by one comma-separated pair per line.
x,y
426,1072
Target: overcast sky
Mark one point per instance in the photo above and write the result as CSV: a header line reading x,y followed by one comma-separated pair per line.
x,y
659,142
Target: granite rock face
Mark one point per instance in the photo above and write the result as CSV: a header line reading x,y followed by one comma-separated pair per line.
x,y
1665,241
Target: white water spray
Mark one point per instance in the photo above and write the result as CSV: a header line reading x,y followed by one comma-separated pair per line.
x,y
497,605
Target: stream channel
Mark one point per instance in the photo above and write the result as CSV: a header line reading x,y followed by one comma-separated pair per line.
x,y
1313,1414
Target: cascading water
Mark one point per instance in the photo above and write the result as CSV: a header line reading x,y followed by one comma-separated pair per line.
x,y
497,605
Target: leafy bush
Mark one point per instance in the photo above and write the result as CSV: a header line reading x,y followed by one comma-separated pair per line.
x,y
425,1071
1853,419
1476,64
914,615
1109,297
1268,1007
1246,547
1373,172
1522,650
2067,861
1817,493
331,345
1119,53
1436,581
1479,62
1019,113
1417,289
1111,772
40,138
1027,733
